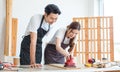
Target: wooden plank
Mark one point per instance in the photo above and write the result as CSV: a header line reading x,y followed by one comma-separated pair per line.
x,y
82,42
98,38
103,33
111,40
94,36
90,38
86,40
107,37
8,24
14,36
75,51
62,66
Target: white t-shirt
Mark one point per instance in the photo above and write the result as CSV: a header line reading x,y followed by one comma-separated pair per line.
x,y
60,34
34,24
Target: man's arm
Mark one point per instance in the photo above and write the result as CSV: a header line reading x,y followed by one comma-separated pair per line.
x,y
33,38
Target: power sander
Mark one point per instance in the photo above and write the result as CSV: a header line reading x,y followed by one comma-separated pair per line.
x,y
70,62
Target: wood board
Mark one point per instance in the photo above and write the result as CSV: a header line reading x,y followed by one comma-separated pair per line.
x,y
62,66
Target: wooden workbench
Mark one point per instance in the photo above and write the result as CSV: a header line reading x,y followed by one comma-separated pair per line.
x,y
50,68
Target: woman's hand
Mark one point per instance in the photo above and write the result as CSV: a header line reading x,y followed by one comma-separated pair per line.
x,y
35,65
68,57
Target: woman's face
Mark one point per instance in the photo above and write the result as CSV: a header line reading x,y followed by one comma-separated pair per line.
x,y
72,33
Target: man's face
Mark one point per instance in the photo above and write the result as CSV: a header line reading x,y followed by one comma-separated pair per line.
x,y
51,18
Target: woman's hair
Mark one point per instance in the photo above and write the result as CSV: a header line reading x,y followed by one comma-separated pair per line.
x,y
73,25
52,8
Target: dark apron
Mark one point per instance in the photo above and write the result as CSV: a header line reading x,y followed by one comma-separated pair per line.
x,y
25,46
52,56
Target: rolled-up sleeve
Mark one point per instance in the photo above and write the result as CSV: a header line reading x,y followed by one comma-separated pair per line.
x,y
60,33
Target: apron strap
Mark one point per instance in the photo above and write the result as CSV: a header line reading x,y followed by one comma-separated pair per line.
x,y
64,36
41,21
40,24
48,28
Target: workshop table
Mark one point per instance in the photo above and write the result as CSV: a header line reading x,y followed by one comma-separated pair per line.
x,y
49,68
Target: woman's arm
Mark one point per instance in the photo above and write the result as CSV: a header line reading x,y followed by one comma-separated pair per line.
x,y
70,50
60,49
72,45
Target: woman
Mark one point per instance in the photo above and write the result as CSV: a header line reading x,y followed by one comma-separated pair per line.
x,y
64,37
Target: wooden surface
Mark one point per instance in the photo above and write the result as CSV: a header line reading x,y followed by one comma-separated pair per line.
x,y
62,66
49,68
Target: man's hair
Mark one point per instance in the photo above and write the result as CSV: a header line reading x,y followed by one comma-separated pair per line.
x,y
52,8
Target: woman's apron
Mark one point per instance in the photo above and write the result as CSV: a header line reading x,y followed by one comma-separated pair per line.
x,y
25,46
52,55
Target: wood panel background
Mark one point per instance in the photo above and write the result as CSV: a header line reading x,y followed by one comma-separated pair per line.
x,y
95,38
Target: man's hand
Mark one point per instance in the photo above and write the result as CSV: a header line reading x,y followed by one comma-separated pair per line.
x,y
35,65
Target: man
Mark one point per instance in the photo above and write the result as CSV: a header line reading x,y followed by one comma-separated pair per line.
x,y
39,25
